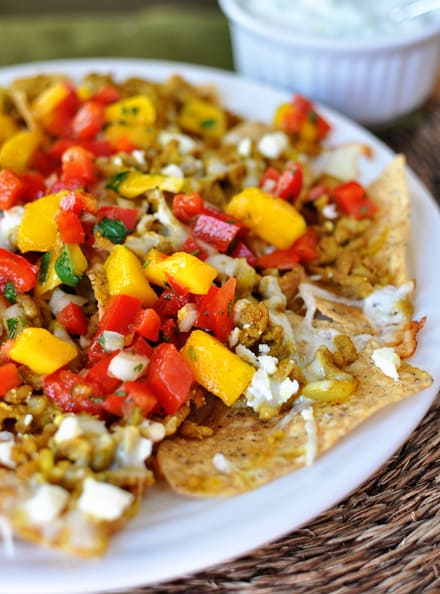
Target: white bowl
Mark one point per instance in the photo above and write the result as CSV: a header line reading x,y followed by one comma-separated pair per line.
x,y
371,80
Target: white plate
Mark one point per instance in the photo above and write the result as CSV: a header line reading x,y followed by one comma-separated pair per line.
x,y
174,536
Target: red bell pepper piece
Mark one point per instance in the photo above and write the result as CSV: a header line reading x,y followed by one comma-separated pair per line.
x,y
107,94
78,165
141,347
171,300
303,249
351,198
72,392
35,186
269,179
241,250
60,123
73,319
88,120
17,270
216,310
187,206
9,378
128,396
301,110
290,182
215,231
70,227
120,314
170,377
148,324
128,216
170,333
12,189
191,246
98,148
79,202
98,375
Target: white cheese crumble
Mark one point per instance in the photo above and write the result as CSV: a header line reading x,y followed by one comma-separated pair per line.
x,y
273,144
221,463
9,224
330,211
388,361
139,157
244,147
68,429
46,504
172,170
127,366
185,143
103,501
385,307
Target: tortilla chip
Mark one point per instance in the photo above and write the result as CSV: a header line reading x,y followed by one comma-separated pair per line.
x,y
257,452
390,231
347,318
98,280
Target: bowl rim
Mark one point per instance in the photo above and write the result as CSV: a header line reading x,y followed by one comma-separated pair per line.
x,y
238,15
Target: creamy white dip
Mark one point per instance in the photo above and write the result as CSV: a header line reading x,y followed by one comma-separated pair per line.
x,y
350,19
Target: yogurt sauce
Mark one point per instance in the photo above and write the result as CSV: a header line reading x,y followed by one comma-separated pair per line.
x,y
350,19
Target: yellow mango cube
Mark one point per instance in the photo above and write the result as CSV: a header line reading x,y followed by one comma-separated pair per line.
x,y
203,118
138,109
41,351
38,230
152,268
140,135
136,183
271,218
8,127
216,368
44,105
17,151
125,276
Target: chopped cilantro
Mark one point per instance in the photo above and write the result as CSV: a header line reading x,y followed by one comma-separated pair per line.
x,y
112,229
13,324
44,267
65,269
207,124
9,292
138,367
117,180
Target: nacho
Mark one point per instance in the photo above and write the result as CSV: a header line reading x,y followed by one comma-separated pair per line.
x,y
184,296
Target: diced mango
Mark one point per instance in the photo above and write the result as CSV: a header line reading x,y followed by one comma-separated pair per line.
x,y
140,135
125,276
271,218
137,183
38,230
8,127
138,109
79,261
216,368
44,105
187,270
203,118
50,279
17,151
41,351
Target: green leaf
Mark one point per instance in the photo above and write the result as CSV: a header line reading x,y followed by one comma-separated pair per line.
x,y
9,292
116,180
208,124
65,269
12,324
44,267
112,229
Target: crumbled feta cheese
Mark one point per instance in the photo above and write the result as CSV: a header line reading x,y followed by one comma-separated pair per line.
x,y
263,349
221,463
7,442
234,336
330,211
266,389
268,363
246,354
128,366
244,147
103,501
133,449
9,224
46,504
69,429
185,143
388,361
139,157
288,388
111,341
273,144
385,307
172,170
117,160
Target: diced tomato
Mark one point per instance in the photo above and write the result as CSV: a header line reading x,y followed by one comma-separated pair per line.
x,y
303,249
71,185
128,216
120,313
241,250
98,375
73,319
269,179
60,123
79,202
191,246
12,189
35,186
141,347
115,403
72,392
169,332
44,163
171,300
70,227
216,309
351,198
187,206
9,378
290,182
99,148
140,395
148,324
170,377
88,120
303,110
78,164
216,232
107,94
16,269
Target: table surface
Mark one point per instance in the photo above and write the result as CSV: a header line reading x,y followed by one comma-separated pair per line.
x,y
385,537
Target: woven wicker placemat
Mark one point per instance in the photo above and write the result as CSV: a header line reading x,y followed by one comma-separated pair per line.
x,y
385,537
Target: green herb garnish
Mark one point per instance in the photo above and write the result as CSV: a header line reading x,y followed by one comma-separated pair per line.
x,y
9,292
116,180
44,267
112,229
65,269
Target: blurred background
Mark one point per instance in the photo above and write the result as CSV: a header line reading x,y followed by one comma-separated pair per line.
x,y
159,29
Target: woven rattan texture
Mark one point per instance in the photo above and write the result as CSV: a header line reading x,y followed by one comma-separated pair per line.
x,y
385,537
